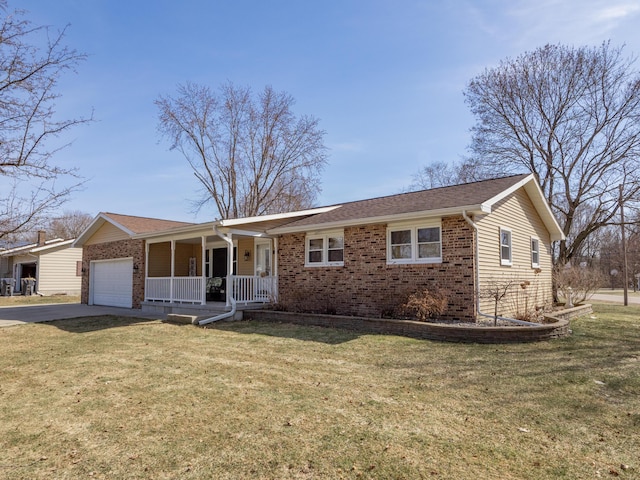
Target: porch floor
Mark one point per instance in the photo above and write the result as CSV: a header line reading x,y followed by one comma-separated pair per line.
x,y
210,309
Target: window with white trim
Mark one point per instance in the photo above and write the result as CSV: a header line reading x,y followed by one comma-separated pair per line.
x,y
414,244
535,252
505,246
324,250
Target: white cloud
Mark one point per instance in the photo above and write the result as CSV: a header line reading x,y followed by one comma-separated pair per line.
x,y
527,24
353,146
584,21
617,11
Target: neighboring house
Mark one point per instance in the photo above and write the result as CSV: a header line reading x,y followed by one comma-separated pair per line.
x,y
357,258
54,264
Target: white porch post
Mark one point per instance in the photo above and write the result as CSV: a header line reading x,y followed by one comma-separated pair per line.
x,y
146,267
203,290
173,269
275,269
229,268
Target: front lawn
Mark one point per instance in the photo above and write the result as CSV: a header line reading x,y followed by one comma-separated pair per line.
x,y
112,397
37,300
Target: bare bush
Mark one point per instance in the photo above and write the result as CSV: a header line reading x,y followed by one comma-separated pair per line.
x,y
579,283
425,304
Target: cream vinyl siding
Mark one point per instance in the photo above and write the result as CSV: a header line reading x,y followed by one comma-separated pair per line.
x,y
517,214
6,266
159,259
107,233
57,271
245,267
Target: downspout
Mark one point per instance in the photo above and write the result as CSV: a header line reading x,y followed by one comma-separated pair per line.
x,y
229,292
477,268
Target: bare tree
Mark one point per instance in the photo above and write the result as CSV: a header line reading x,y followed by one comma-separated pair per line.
x,y
496,289
68,225
443,174
433,175
32,60
251,154
571,116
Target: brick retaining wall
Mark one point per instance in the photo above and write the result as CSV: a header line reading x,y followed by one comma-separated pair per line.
x,y
557,327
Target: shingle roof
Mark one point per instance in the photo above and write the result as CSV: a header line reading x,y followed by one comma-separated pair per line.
x,y
144,224
53,243
468,194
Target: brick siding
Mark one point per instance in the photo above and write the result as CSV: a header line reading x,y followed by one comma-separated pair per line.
x,y
366,285
114,250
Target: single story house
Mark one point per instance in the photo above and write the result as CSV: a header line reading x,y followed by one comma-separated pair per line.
x,y
54,265
356,258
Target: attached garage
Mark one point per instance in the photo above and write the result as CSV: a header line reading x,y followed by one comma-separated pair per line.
x,y
112,282
113,261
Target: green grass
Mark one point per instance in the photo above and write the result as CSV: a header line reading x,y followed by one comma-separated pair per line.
x,y
37,300
111,397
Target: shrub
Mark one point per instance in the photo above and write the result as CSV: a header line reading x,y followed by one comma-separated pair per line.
x,y
425,304
579,282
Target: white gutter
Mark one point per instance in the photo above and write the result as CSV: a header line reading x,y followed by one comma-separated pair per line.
x,y
477,267
230,298
222,316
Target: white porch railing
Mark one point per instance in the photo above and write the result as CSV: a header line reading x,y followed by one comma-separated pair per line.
x,y
254,289
245,289
175,289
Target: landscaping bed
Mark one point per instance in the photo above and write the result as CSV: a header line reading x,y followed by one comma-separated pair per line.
x,y
555,326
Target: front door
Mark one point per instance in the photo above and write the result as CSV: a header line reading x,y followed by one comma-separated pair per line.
x,y
263,259
263,287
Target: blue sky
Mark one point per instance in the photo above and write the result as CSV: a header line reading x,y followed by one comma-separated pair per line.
x,y
385,78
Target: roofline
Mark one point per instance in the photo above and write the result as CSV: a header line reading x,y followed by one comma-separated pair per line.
x,y
93,228
177,230
60,244
530,182
505,193
235,222
34,247
482,208
276,216
117,224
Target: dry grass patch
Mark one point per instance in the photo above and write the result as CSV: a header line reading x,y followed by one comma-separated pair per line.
x,y
37,299
111,397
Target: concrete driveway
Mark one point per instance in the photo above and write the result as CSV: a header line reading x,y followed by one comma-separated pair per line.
x,y
45,313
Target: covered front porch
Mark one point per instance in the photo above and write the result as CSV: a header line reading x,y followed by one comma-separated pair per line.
x,y
208,268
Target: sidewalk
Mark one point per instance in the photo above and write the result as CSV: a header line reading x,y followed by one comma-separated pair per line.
x,y
615,297
17,315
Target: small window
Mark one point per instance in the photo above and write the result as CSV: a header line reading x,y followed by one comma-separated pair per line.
x,y
325,250
414,245
315,249
429,242
505,246
535,253
335,249
401,244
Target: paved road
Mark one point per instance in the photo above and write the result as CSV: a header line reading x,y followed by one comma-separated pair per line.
x,y
615,298
45,313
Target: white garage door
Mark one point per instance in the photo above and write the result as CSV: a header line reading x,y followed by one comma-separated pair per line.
x,y
112,282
